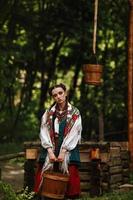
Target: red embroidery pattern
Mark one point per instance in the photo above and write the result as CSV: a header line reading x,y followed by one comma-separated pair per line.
x,y
72,116
49,124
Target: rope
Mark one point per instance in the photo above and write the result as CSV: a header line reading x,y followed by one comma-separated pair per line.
x,y
95,26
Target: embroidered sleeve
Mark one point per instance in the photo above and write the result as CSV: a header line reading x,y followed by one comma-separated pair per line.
x,y
74,136
44,132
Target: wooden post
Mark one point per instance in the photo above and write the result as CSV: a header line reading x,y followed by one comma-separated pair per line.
x,y
95,178
101,126
130,83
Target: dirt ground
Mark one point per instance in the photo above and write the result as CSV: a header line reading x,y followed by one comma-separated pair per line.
x,y
13,174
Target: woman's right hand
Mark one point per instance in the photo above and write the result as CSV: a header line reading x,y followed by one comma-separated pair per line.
x,y
51,155
61,156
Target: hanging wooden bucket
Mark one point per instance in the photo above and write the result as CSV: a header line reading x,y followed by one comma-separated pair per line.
x,y
32,153
54,185
92,73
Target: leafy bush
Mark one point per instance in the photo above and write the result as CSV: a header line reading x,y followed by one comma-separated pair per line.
x,y
25,195
7,193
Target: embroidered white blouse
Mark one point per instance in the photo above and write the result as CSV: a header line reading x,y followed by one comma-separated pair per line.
x,y
69,143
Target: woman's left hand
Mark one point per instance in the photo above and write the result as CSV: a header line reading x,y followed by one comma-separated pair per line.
x,y
61,156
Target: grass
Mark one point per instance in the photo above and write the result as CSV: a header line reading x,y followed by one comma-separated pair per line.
x,y
113,196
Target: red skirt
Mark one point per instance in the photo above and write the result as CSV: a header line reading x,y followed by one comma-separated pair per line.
x,y
38,178
73,188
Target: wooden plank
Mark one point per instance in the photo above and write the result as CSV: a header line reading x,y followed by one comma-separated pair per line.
x,y
125,155
85,186
114,151
103,146
125,180
84,194
11,156
85,166
104,157
122,145
36,143
85,155
115,162
116,178
105,186
115,169
130,83
84,176
115,186
126,187
126,173
125,164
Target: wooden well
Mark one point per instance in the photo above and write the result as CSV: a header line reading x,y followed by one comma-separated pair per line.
x,y
113,160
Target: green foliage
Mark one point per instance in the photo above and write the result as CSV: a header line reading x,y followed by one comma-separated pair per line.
x,y
46,42
8,148
7,193
113,196
25,195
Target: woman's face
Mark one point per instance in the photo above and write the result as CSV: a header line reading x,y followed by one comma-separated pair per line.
x,y
59,95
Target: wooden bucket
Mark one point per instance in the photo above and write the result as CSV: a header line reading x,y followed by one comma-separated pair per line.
x,y
92,73
54,185
32,153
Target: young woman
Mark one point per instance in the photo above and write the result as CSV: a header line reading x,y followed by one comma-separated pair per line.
x,y
60,134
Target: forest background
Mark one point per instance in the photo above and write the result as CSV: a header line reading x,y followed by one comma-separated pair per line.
x,y
44,42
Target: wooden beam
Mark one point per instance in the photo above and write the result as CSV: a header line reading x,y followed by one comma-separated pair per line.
x,y
130,83
11,156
